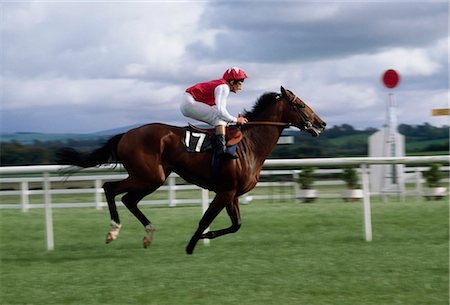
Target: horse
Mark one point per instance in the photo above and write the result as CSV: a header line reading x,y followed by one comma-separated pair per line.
x,y
151,152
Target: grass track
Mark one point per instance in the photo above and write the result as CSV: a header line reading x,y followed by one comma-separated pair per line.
x,y
285,253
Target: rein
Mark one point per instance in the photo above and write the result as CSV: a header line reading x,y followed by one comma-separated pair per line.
x,y
268,123
296,108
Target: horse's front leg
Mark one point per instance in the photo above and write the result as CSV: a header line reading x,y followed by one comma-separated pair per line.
x,y
235,216
216,206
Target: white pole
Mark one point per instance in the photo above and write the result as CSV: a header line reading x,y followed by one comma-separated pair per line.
x,y
98,194
172,194
24,196
205,205
366,203
48,212
418,177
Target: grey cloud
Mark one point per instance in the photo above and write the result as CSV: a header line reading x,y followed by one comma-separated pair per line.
x,y
70,39
260,32
84,66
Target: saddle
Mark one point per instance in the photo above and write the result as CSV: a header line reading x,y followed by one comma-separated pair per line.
x,y
198,139
233,133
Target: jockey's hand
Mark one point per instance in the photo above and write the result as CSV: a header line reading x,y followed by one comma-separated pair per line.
x,y
241,120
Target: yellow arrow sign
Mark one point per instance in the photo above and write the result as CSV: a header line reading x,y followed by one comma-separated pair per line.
x,y
440,111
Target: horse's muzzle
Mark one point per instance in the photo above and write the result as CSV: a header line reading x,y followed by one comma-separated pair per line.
x,y
315,131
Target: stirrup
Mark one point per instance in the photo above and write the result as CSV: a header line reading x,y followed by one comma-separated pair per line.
x,y
230,152
226,155
221,149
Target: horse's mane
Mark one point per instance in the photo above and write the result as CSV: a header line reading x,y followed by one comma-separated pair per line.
x,y
260,105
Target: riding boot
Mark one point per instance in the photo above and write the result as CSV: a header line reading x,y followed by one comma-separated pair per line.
x,y
221,146
222,151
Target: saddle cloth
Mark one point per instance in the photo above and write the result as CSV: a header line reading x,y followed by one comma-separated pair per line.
x,y
198,139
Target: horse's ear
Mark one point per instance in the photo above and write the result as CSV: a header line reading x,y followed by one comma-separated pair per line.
x,y
285,92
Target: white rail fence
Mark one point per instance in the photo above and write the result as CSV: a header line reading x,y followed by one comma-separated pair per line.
x,y
271,167
25,186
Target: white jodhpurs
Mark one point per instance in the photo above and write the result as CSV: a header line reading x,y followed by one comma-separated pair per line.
x,y
200,111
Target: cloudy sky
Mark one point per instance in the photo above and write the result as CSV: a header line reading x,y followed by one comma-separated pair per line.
x,y
85,66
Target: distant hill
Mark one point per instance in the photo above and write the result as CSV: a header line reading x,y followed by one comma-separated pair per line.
x,y
111,132
28,138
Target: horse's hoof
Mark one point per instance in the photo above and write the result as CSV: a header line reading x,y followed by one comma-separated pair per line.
x,y
149,237
190,248
147,242
113,232
109,238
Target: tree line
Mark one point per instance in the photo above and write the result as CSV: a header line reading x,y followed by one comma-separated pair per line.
x,y
346,141
337,141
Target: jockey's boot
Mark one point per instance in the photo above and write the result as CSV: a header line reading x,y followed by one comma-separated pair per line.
x,y
222,150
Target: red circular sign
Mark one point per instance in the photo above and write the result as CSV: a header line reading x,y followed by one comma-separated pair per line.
x,y
391,78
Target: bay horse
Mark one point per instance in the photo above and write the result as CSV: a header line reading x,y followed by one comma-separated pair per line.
x,y
151,152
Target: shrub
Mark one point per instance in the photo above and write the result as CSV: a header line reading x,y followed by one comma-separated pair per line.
x,y
433,175
350,176
306,178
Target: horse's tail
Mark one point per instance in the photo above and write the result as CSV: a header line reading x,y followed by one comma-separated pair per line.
x,y
104,155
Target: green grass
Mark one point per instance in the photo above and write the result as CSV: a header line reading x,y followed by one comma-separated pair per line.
x,y
285,253
344,140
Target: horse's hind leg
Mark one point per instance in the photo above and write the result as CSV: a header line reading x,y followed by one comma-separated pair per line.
x,y
112,189
130,200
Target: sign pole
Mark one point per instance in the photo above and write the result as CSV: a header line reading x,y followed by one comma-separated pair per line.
x,y
48,212
391,80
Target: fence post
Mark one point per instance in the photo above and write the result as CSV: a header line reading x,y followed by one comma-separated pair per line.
x,y
366,203
205,205
98,194
172,192
24,196
418,184
295,184
48,212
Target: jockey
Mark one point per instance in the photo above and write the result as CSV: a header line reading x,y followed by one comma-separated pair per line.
x,y
207,102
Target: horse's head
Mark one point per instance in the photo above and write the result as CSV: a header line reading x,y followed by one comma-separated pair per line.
x,y
300,115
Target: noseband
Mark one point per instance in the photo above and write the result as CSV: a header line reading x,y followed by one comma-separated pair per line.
x,y
298,109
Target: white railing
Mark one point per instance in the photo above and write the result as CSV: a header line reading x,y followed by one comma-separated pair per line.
x,y
20,186
286,165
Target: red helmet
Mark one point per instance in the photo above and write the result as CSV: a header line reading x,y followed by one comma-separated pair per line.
x,y
234,74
